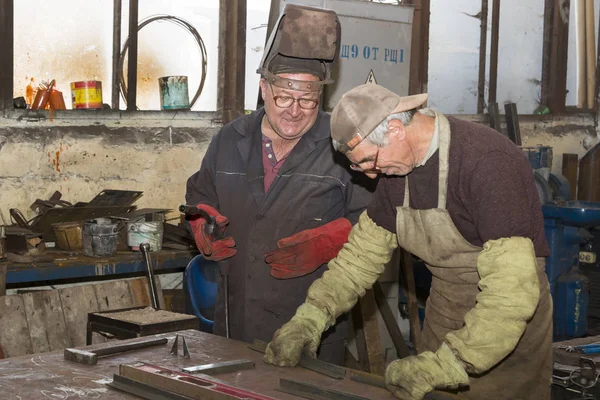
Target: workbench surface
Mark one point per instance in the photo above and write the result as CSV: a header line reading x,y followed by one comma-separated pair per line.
x,y
49,376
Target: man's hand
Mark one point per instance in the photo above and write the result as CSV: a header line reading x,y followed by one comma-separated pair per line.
x,y
211,249
304,252
411,378
302,334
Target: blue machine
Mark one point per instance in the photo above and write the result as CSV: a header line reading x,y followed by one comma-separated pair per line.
x,y
565,227
200,287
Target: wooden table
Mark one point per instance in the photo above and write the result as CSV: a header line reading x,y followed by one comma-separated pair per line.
x,y
49,376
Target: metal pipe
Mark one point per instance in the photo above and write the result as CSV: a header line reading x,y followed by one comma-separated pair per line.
x,y
145,249
493,82
482,56
133,56
116,52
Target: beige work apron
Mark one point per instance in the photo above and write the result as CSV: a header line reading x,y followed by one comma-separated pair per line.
x,y
432,236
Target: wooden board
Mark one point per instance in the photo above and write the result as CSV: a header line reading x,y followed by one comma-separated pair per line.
x,y
14,330
113,295
45,317
77,302
50,320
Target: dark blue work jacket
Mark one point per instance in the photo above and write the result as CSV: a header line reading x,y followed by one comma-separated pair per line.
x,y
313,187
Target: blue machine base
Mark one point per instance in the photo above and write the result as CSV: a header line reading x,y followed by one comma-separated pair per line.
x,y
200,285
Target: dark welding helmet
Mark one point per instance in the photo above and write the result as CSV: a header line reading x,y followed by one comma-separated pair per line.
x,y
304,40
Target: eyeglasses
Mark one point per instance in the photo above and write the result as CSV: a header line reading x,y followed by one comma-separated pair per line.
x,y
287,101
372,170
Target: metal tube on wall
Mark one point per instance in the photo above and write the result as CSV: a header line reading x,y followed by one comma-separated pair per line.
x,y
482,57
132,59
581,64
493,80
590,52
116,52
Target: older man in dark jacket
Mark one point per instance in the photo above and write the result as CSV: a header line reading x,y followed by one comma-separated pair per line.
x,y
286,198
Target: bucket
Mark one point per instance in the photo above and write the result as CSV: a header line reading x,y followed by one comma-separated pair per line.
x,y
100,237
538,156
86,94
174,93
69,235
145,232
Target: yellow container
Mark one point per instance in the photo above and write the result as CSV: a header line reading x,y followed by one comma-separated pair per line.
x,y
69,235
86,94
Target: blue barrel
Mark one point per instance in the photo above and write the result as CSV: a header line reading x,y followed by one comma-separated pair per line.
x,y
572,292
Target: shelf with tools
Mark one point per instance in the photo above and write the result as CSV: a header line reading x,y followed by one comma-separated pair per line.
x,y
67,267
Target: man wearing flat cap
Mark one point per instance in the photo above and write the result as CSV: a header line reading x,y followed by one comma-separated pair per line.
x,y
272,179
461,197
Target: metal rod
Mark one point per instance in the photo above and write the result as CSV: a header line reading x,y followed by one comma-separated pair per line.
x,y
116,52
390,322
225,271
482,57
493,80
133,56
145,249
221,367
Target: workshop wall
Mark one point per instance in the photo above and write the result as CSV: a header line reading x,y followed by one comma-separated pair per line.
x,y
82,157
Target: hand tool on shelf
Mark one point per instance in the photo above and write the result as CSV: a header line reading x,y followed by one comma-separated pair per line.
x,y
212,229
90,356
145,249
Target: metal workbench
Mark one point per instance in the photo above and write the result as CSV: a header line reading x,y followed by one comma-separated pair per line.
x,y
48,375
67,267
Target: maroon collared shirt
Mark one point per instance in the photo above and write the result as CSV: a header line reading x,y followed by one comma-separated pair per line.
x,y
271,164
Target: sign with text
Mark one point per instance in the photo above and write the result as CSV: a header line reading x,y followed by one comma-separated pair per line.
x,y
376,41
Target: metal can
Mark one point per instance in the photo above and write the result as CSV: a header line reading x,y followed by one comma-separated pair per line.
x,y
86,94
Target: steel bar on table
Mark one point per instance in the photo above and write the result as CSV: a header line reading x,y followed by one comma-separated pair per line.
x,y
322,367
142,390
221,367
195,386
309,391
90,356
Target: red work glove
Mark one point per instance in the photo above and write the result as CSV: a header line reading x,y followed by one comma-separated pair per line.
x,y
304,252
216,250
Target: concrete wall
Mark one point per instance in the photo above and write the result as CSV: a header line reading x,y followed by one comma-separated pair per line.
x,y
151,152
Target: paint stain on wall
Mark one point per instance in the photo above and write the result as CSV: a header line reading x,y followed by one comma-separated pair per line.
x,y
56,160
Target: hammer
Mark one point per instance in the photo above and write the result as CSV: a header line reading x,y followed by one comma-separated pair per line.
x,y
90,357
211,228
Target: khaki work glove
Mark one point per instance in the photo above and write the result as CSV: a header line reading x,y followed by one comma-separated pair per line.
x,y
411,378
510,292
302,334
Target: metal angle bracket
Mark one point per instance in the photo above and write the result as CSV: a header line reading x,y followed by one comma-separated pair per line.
x,y
175,348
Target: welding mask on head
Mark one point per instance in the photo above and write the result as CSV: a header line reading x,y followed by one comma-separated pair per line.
x,y
304,40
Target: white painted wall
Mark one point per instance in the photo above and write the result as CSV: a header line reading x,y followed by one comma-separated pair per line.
x,y
81,49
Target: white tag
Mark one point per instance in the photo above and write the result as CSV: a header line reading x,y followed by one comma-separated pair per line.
x,y
587,257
